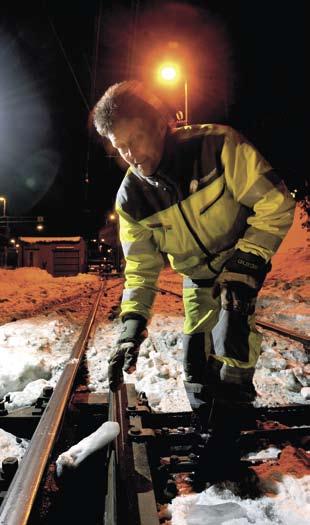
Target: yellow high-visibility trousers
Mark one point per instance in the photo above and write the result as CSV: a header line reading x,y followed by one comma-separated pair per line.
x,y
217,341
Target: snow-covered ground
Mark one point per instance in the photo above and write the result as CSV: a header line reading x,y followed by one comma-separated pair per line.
x,y
33,351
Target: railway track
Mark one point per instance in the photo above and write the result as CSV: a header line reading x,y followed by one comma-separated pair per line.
x,y
154,451
27,479
139,471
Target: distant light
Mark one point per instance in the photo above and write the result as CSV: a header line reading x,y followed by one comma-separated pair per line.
x,y
17,245
94,240
102,240
168,73
12,241
112,216
3,199
40,227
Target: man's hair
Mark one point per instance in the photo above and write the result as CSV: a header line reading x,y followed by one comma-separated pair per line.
x,y
128,99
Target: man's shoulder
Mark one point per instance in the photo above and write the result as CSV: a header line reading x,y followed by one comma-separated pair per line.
x,y
186,133
130,184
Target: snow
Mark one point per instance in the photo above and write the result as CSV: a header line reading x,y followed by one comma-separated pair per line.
x,y
36,340
290,506
11,446
285,297
32,350
95,441
26,291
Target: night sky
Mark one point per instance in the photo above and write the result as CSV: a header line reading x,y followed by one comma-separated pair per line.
x,y
245,64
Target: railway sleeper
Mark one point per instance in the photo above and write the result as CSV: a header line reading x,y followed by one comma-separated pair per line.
x,y
140,470
169,451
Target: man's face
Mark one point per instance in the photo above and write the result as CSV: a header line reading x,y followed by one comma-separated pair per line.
x,y
139,143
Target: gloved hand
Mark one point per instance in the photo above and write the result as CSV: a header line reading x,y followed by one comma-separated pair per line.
x,y
239,283
125,355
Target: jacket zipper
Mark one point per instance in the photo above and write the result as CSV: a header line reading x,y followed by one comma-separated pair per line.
x,y
198,241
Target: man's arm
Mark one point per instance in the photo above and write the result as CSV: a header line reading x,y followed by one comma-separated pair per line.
x,y
143,264
256,185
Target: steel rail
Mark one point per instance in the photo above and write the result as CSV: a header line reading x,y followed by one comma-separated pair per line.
x,y
292,334
18,503
163,291
130,494
110,517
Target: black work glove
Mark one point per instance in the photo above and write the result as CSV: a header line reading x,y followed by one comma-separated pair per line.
x,y
240,281
125,355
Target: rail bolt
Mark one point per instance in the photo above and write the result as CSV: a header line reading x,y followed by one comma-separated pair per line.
x,y
135,431
39,402
170,490
47,391
9,467
3,411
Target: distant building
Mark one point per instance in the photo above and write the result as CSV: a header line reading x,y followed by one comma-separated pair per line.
x,y
59,256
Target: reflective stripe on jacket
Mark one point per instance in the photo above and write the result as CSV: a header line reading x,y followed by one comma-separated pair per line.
x,y
213,192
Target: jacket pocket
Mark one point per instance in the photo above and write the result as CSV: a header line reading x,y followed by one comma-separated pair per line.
x,y
214,200
159,225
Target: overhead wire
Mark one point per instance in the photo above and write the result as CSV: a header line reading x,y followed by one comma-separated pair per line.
x,y
68,62
93,90
135,7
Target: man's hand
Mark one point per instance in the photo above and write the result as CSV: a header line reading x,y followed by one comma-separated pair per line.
x,y
240,282
125,355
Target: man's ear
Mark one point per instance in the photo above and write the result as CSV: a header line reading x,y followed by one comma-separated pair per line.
x,y
162,127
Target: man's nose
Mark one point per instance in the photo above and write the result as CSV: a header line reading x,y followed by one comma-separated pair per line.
x,y
132,155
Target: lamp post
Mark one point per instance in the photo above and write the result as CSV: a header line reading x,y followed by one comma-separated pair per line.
x,y
170,73
112,218
6,231
3,199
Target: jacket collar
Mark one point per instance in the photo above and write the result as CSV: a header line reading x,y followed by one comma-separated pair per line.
x,y
165,169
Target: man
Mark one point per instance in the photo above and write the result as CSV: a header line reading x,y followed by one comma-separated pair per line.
x,y
205,197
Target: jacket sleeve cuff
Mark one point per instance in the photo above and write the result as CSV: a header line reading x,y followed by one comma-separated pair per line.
x,y
247,264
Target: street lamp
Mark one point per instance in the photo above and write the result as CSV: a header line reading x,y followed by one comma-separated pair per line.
x,y
113,220
3,199
170,73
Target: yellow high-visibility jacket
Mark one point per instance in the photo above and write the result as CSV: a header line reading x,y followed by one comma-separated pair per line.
x,y
213,192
